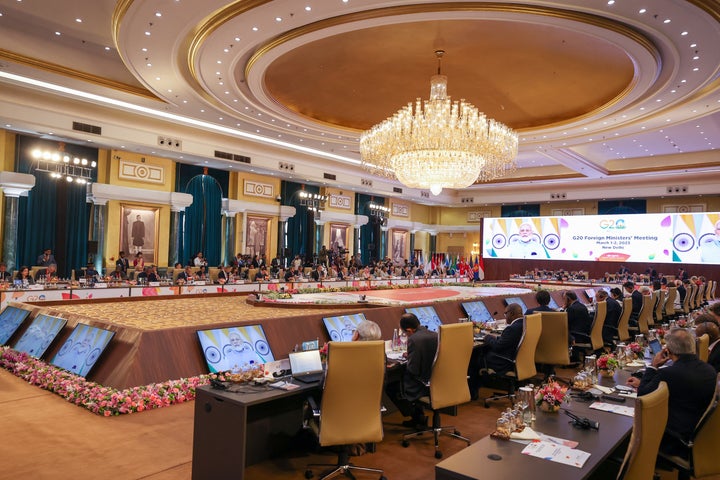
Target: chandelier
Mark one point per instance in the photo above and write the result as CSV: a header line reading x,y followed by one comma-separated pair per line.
x,y
61,165
440,143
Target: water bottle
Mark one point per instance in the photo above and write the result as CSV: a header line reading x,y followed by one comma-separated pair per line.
x,y
403,342
395,341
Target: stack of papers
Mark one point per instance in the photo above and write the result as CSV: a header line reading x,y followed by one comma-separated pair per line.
x,y
556,453
614,408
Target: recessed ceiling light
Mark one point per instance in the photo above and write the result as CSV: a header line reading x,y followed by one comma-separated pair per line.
x,y
107,48
78,20
278,19
58,33
202,110
147,33
696,57
695,69
693,45
149,64
642,10
184,101
169,90
157,78
684,33
255,29
144,49
308,8
219,61
611,2
667,20
158,14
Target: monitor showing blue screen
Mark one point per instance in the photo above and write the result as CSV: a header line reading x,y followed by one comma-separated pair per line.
x,y
517,300
82,349
232,348
477,311
39,335
428,317
553,304
10,320
341,328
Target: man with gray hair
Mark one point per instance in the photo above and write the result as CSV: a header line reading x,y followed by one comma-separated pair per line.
x,y
367,330
691,383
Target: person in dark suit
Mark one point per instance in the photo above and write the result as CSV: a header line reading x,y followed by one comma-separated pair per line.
x,y
707,325
46,258
498,352
637,301
691,383
681,290
543,298
5,276
123,263
186,276
421,348
612,316
579,321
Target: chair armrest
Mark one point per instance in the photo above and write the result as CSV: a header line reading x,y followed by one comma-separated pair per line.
x,y
686,443
313,406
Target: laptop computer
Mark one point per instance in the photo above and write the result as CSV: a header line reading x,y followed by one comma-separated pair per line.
x,y
306,366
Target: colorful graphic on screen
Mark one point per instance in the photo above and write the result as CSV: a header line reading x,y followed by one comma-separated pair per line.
x,y
656,238
82,349
477,312
235,347
39,335
341,328
10,320
428,317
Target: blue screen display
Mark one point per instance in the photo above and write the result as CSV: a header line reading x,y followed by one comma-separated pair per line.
x,y
428,317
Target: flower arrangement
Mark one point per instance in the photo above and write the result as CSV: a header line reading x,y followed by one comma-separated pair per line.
x,y
324,352
607,362
101,400
682,323
551,395
636,348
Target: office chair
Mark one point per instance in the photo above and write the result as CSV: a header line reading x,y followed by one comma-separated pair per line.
x,y
594,343
651,413
669,308
350,410
685,306
448,380
704,446
552,349
699,296
524,362
659,298
644,318
703,347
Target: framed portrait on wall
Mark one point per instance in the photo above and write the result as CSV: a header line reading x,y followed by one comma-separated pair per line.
x,y
399,237
139,232
256,238
339,237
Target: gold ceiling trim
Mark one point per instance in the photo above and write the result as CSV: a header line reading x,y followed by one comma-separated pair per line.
x,y
711,7
581,17
194,41
72,73
559,176
664,168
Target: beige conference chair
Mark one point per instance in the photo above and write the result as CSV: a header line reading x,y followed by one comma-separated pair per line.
x,y
552,349
669,309
703,347
651,413
524,361
595,342
350,409
448,380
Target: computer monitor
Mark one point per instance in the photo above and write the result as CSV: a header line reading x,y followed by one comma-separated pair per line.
x,y
39,335
427,315
517,300
590,292
10,320
82,349
477,311
341,327
234,347
553,304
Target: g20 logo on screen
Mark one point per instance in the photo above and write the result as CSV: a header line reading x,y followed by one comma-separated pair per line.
x,y
611,224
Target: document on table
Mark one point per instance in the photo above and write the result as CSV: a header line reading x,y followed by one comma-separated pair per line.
x,y
557,453
613,408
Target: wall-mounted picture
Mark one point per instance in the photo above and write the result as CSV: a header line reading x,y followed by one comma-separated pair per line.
x,y
399,238
139,231
338,237
257,230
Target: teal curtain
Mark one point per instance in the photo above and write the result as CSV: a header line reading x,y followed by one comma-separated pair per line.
x,y
55,214
203,220
301,227
370,233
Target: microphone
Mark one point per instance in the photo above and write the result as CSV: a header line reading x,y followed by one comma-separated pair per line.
x,y
582,422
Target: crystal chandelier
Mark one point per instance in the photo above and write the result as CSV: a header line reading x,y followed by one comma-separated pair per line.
x,y
440,143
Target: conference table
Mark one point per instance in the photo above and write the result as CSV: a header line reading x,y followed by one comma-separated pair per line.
x,y
493,458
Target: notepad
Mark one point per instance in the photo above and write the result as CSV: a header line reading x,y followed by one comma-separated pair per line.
x,y
613,408
556,453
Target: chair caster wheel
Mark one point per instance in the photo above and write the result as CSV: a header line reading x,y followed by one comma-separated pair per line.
x,y
438,455
383,477
487,405
405,443
308,474
458,433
